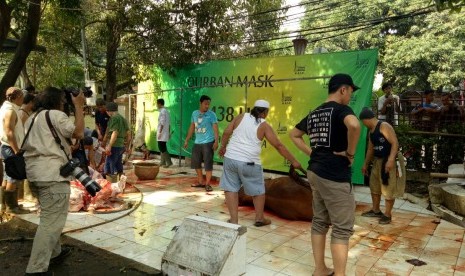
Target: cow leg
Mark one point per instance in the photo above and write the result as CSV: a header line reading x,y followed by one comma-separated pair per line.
x,y
232,200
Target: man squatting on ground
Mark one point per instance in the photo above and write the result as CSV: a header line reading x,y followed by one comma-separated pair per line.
x,y
334,131
382,149
242,164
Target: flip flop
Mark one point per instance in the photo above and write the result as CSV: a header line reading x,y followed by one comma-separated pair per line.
x,y
198,185
262,223
208,188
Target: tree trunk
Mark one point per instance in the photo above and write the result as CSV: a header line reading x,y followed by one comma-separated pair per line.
x,y
5,21
114,28
24,77
25,46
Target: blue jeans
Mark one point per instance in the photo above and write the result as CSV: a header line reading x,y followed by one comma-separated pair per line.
x,y
114,162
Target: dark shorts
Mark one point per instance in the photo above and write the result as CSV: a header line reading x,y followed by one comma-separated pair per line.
x,y
202,152
7,151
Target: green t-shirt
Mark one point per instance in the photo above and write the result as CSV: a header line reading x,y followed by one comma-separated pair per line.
x,y
118,123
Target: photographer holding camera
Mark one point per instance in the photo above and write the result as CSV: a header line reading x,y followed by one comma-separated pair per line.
x,y
44,158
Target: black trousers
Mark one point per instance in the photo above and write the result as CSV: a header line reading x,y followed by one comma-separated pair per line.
x,y
162,146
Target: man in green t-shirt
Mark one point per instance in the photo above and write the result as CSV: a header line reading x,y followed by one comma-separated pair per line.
x,y
119,137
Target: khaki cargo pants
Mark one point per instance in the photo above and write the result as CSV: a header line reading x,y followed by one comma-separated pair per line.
x,y
54,203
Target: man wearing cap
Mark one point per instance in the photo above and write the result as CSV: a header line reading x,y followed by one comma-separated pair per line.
x,y
205,125
119,136
334,131
11,135
241,146
385,179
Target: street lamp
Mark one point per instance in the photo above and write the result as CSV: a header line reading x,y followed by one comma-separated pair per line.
x,y
300,43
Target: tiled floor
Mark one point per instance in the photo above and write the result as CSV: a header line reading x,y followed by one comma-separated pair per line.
x,y
282,248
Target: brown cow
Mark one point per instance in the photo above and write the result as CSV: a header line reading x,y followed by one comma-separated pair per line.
x,y
289,197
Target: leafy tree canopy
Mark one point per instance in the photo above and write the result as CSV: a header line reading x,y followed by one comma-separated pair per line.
x,y
419,47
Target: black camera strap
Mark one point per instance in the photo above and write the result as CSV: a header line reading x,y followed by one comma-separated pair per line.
x,y
54,133
28,130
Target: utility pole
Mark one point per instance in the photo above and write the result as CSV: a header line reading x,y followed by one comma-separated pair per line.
x,y
84,52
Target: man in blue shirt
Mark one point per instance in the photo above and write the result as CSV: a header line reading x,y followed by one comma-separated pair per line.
x,y
205,125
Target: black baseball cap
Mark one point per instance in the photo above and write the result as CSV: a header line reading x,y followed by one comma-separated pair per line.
x,y
339,80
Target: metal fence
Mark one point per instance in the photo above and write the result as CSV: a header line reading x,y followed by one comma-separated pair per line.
x,y
430,142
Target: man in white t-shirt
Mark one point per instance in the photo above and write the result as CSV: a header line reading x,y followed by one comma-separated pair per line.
x,y
163,133
389,106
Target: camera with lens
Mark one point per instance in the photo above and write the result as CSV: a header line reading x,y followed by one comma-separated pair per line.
x,y
69,106
75,91
72,168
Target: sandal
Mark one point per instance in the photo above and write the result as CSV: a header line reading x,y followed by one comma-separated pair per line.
x,y
208,188
262,223
198,185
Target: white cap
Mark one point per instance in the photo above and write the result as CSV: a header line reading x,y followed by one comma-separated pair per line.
x,y
262,103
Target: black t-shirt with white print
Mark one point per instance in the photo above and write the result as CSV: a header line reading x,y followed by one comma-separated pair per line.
x,y
328,133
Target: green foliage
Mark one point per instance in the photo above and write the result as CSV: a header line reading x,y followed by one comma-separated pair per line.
x,y
453,5
431,152
132,35
416,52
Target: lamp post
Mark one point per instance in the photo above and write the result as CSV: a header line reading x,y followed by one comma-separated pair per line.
x,y
300,43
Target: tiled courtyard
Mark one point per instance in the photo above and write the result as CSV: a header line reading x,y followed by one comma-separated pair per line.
x,y
282,248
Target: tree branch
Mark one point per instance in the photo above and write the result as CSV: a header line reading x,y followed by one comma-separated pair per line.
x,y
79,53
125,84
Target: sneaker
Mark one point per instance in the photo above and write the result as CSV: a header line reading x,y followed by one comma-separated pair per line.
x,y
372,214
65,251
385,220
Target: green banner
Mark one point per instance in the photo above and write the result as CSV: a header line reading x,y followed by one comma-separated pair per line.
x,y
293,85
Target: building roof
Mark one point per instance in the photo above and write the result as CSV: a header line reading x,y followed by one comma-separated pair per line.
x,y
10,44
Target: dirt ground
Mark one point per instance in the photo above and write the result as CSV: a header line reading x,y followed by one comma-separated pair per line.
x,y
16,242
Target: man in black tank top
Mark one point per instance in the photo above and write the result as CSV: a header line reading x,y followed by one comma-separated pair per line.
x,y
382,150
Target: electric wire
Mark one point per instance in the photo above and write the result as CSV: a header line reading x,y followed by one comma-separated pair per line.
x,y
331,36
336,27
326,15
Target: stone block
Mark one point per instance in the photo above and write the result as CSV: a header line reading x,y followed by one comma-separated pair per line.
x,y
450,195
204,246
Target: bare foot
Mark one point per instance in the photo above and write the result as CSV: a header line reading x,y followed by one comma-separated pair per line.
x,y
325,272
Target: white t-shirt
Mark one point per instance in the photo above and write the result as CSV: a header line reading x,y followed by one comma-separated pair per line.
x,y
163,120
381,101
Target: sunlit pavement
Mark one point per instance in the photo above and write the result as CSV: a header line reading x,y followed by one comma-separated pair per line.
x,y
282,248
